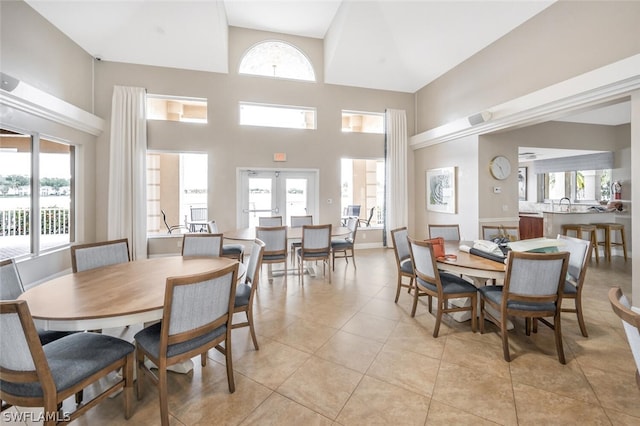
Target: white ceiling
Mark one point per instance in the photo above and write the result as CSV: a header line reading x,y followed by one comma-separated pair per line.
x,y
381,44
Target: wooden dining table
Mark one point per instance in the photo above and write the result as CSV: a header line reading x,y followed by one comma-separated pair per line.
x,y
476,268
112,296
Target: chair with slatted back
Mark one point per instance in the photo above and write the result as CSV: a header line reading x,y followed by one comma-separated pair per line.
x,y
400,238
200,244
197,316
275,250
316,245
33,375
96,255
246,291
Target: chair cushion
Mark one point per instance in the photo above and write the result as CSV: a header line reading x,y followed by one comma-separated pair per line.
x,y
74,358
268,257
450,284
407,266
48,336
149,340
243,291
317,255
570,288
232,249
341,244
494,294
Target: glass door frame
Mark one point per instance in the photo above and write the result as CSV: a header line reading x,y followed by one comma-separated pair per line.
x,y
279,191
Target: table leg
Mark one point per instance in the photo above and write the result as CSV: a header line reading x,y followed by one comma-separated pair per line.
x,y
466,315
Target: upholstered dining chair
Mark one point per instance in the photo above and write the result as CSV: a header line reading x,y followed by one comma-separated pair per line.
x,y
630,317
448,232
33,375
11,287
316,245
431,282
275,250
246,291
404,264
532,289
579,256
95,255
197,316
299,222
232,251
491,232
270,221
342,248
202,244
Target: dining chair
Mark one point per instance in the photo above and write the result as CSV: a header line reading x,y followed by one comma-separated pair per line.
x,y
33,375
270,221
532,289
197,316
630,317
246,291
491,232
579,256
200,215
404,264
344,246
316,245
367,222
275,250
431,282
232,251
448,232
298,222
11,288
202,244
95,255
511,232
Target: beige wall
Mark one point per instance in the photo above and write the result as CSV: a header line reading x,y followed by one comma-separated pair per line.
x,y
564,40
462,154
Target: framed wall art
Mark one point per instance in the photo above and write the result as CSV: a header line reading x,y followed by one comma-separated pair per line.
x,y
441,190
522,183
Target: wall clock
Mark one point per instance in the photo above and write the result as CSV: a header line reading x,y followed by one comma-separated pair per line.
x,y
500,167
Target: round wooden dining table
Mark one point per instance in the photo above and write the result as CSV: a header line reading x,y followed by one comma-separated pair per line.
x,y
112,296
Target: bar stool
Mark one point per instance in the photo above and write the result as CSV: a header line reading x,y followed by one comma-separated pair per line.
x,y
609,229
579,229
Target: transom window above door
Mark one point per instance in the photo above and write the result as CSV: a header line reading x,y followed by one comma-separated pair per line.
x,y
277,59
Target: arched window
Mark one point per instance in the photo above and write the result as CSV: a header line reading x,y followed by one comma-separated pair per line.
x,y
277,59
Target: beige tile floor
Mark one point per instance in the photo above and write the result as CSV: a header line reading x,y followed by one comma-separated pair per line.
x,y
343,353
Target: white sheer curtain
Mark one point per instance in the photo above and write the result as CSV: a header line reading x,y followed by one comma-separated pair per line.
x,y
396,214
127,204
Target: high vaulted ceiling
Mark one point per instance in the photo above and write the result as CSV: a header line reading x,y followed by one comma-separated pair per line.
x,y
381,44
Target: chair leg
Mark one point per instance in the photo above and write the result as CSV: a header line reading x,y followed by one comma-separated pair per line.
x,y
127,374
252,329
229,361
430,300
203,359
583,326
505,339
415,302
398,287
353,256
558,332
474,312
139,372
436,328
79,397
481,315
162,393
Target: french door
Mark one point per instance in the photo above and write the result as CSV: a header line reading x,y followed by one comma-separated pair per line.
x,y
269,192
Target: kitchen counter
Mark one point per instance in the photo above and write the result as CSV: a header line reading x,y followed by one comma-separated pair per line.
x,y
553,221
